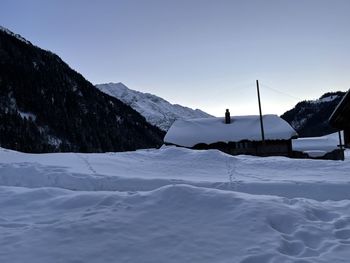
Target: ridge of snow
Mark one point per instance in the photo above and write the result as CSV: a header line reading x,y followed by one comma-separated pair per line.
x,y
156,110
146,170
19,37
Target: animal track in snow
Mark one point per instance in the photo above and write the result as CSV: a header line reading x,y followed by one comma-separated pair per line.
x,y
87,163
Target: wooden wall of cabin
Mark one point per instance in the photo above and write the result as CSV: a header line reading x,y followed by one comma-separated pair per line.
x,y
275,148
270,148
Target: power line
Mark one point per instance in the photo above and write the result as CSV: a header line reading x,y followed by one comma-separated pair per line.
x,y
281,92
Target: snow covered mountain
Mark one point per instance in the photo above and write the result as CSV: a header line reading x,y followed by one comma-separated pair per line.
x,y
45,106
310,118
156,110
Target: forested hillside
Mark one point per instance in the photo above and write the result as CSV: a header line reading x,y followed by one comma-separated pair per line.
x,y
45,106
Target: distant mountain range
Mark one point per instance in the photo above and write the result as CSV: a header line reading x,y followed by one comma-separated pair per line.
x,y
46,106
310,118
156,110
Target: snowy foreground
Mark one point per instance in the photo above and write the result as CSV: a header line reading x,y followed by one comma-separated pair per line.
x,y
172,205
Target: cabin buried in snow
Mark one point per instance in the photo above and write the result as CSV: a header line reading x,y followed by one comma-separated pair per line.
x,y
234,135
325,147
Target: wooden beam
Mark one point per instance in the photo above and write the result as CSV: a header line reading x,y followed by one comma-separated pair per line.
x,y
261,118
341,145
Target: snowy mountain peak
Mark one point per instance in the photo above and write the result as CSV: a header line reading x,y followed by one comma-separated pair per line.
x,y
19,37
156,110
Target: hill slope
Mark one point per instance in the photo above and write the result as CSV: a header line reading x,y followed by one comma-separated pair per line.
x,y
156,110
46,106
310,118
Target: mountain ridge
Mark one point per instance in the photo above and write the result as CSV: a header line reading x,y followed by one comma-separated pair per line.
x,y
45,106
310,118
156,110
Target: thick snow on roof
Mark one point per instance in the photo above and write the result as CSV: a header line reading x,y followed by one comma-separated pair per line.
x,y
188,133
317,146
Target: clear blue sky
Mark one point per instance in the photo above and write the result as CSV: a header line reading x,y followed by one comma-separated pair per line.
x,y
200,53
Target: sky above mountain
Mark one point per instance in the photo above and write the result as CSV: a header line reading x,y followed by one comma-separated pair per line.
x,y
199,53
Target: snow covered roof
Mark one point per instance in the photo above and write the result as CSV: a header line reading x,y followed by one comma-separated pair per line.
x,y
317,146
188,133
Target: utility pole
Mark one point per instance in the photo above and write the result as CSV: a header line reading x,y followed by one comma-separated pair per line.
x,y
261,118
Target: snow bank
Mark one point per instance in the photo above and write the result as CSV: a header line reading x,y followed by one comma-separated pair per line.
x,y
171,224
172,206
146,170
188,133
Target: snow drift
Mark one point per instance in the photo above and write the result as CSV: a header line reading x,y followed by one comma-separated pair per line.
x,y
171,224
172,205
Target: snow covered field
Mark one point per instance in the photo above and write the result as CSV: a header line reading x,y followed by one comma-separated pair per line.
x,y
172,205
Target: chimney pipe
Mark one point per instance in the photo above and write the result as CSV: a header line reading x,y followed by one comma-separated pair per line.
x,y
227,117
